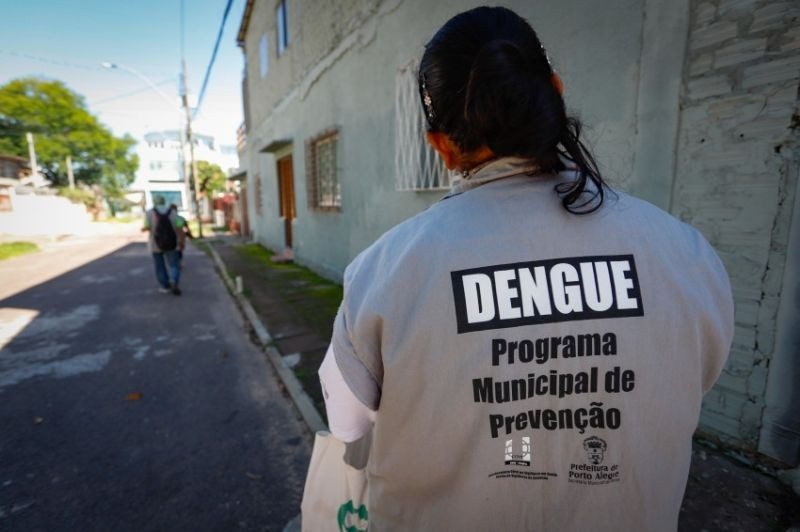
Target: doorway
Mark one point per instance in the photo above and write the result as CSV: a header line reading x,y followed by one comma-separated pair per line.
x,y
286,195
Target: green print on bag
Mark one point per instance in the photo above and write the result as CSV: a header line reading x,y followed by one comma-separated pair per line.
x,y
351,520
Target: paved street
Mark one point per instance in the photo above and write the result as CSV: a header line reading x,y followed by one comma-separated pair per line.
x,y
127,409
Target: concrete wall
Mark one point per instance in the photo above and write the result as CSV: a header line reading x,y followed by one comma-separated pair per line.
x,y
35,214
736,178
315,28
352,87
688,104
780,431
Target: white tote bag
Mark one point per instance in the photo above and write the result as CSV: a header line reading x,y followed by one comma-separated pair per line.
x,y
335,494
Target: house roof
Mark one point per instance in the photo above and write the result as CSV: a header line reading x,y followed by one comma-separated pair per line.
x,y
238,175
248,10
16,159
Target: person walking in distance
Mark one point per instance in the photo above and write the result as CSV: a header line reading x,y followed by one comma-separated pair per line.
x,y
167,237
531,352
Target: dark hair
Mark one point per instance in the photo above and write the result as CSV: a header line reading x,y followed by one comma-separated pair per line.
x,y
485,80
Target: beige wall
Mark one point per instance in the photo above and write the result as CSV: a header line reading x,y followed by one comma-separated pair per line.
x,y
736,178
690,104
315,27
352,87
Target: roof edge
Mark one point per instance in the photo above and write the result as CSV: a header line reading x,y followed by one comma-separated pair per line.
x,y
248,10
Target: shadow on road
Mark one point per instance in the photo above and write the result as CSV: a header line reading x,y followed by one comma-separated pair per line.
x,y
128,409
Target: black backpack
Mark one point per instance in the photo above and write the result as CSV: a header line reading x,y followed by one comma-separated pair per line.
x,y
164,235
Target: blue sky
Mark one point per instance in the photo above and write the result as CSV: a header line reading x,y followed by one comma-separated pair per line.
x,y
68,40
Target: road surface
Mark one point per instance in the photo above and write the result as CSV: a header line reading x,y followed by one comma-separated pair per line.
x,y
127,409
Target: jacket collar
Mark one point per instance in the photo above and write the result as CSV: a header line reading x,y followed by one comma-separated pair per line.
x,y
492,171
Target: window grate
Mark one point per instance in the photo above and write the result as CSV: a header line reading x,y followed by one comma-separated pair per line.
x,y
417,165
323,187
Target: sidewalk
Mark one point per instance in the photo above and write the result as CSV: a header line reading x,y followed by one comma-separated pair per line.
x,y
298,308
295,304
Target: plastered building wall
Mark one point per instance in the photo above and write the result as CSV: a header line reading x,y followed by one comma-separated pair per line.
x,y
735,180
344,76
315,28
685,104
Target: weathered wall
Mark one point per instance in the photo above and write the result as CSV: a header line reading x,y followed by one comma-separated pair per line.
x,y
689,104
780,432
33,214
352,87
736,182
315,28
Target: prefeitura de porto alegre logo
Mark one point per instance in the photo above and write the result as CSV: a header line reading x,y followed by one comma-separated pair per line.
x,y
595,449
594,467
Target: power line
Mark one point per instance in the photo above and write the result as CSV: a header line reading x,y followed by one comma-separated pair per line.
x,y
131,93
213,58
59,62
50,60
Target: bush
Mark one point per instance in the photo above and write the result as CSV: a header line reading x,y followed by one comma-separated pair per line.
x,y
79,195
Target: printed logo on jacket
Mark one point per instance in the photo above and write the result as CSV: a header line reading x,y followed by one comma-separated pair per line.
x,y
586,380
546,291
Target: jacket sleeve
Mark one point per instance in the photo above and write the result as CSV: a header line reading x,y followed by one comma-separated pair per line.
x,y
348,418
357,335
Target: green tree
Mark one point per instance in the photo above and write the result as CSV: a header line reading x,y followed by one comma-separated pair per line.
x,y
211,178
62,125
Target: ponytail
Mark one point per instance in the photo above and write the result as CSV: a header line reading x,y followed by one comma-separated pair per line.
x,y
586,193
485,80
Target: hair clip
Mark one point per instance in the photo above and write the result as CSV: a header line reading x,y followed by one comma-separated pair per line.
x,y
427,102
546,57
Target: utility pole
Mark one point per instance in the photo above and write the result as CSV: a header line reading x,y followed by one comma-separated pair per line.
x,y
70,175
32,155
190,138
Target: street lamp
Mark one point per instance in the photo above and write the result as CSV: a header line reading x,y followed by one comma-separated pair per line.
x,y
193,165
116,66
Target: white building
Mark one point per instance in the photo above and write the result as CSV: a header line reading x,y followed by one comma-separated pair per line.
x,y
161,170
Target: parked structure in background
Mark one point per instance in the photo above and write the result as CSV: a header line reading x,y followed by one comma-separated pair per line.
x,y
161,167
12,170
13,167
705,127
29,206
15,171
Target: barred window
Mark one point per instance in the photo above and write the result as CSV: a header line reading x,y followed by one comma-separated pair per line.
x,y
322,172
417,166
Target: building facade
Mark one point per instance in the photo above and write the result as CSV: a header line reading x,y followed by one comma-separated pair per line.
x,y
691,105
161,165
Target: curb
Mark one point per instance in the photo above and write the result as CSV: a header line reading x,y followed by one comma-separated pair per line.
x,y
299,397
